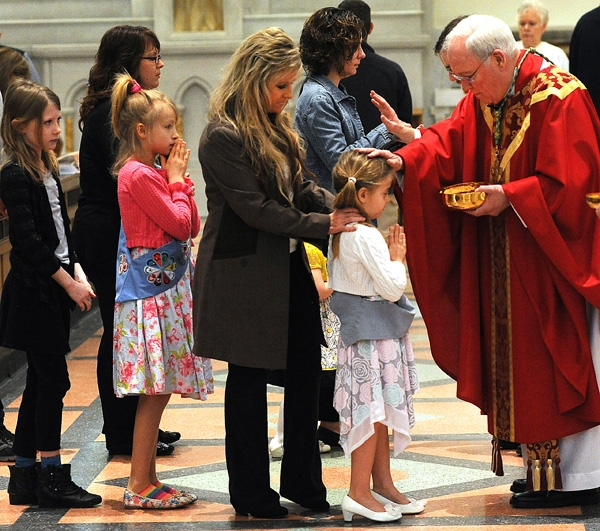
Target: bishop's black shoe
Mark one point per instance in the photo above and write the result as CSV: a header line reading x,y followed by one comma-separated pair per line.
x,y
554,498
519,485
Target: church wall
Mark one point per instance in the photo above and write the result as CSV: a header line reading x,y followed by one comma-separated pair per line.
x,y
63,36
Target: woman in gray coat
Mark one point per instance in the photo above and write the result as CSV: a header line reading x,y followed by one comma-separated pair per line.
x,y
255,303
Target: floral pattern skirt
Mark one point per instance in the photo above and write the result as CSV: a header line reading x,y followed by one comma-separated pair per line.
x,y
152,345
375,382
331,331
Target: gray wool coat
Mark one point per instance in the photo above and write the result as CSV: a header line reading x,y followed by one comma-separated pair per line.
x,y
241,282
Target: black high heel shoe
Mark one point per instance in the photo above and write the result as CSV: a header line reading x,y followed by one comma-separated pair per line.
x,y
168,437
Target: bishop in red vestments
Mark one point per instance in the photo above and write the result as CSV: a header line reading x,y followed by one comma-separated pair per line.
x,y
505,290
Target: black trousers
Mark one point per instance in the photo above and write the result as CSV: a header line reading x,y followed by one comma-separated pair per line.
x,y
326,410
39,421
98,257
246,439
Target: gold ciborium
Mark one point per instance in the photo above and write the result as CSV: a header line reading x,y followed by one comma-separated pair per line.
x,y
462,196
593,199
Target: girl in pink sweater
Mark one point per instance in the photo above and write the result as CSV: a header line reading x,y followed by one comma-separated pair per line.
x,y
153,337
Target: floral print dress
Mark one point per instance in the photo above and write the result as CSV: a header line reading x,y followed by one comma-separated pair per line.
x,y
329,320
152,344
375,382
376,374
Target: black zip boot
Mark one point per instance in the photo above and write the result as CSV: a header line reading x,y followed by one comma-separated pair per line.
x,y
22,485
56,489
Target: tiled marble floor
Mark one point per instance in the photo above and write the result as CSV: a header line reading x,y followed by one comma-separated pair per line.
x,y
447,463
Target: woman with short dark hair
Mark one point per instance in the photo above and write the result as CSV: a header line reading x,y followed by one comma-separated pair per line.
x,y
326,115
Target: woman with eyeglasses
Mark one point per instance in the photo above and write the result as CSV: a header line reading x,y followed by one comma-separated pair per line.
x,y
134,49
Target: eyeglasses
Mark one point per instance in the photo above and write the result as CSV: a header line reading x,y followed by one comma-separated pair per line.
x,y
468,79
155,58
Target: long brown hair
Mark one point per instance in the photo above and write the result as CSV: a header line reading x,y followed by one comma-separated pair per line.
x,y
25,102
352,172
12,66
241,99
121,50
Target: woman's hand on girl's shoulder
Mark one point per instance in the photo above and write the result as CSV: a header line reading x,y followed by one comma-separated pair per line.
x,y
342,217
176,164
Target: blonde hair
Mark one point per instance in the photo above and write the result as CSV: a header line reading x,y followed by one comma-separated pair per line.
x,y
241,100
130,109
25,102
352,172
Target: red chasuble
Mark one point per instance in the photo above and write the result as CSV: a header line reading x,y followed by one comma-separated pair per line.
x,y
504,298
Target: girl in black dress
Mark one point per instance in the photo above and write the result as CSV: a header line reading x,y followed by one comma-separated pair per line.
x,y
44,284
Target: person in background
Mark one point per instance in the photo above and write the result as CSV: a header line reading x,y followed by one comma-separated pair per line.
x,y
135,49
527,257
33,73
44,284
386,78
331,331
585,62
532,21
7,438
13,65
255,301
439,45
326,116
153,331
377,73
329,421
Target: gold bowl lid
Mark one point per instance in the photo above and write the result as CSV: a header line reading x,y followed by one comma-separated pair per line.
x,y
462,196
593,199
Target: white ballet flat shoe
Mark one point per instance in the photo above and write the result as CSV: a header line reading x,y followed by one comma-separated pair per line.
x,y
414,507
350,508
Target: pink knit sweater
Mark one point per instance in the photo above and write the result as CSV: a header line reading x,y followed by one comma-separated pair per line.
x,y
154,212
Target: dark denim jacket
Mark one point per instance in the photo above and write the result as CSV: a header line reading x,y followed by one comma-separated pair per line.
x,y
328,122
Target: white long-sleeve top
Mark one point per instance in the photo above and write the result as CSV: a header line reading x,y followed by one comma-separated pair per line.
x,y
363,266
